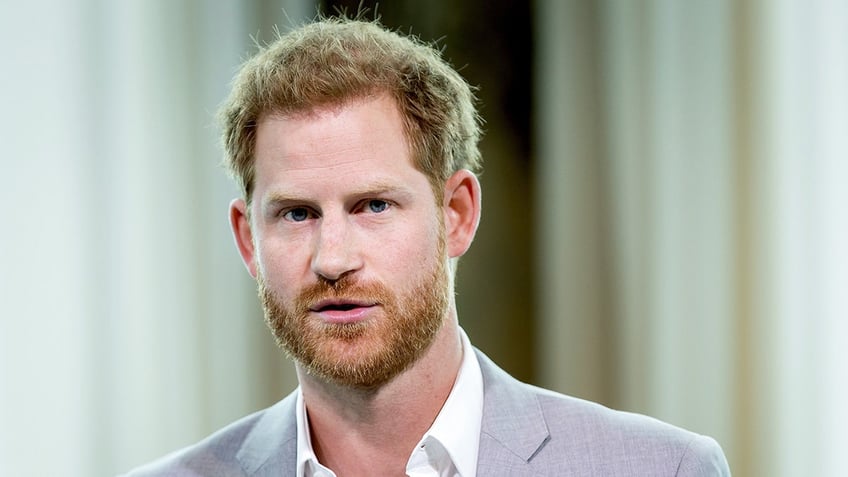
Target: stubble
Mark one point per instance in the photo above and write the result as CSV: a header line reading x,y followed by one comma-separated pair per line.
x,y
368,353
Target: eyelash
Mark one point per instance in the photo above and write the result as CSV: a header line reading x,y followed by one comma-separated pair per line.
x,y
362,206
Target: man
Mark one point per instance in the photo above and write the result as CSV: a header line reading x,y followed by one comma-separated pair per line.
x,y
356,152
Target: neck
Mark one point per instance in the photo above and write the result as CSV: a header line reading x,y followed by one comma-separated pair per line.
x,y
373,432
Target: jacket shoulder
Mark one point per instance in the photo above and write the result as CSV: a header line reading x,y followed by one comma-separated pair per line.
x,y
617,440
237,449
528,430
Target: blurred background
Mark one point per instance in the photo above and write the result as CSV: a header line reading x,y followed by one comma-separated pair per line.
x,y
662,229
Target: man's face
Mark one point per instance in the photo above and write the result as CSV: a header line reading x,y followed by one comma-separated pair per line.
x,y
349,242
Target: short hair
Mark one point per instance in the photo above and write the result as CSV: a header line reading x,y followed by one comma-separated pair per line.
x,y
335,60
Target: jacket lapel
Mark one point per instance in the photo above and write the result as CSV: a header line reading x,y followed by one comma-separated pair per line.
x,y
270,447
513,428
512,432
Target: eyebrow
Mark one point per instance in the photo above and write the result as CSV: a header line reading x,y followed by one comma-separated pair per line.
x,y
379,188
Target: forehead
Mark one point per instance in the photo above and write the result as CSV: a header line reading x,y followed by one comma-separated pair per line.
x,y
359,140
373,119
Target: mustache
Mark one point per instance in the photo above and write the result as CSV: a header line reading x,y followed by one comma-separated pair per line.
x,y
347,287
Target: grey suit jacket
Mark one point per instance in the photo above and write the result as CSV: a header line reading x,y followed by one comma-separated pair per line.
x,y
525,431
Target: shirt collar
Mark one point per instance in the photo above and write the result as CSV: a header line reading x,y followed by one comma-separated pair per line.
x,y
306,458
456,428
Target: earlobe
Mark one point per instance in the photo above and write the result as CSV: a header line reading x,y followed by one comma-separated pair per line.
x,y
462,211
243,235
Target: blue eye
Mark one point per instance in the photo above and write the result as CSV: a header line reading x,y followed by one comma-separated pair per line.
x,y
377,206
297,215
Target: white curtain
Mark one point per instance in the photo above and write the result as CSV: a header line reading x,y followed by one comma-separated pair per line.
x,y
128,326
692,171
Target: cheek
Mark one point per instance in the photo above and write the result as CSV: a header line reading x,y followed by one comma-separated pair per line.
x,y
282,267
413,251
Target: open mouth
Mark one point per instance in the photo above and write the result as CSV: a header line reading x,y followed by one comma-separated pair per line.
x,y
329,305
339,307
340,311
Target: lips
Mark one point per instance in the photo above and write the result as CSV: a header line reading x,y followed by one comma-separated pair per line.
x,y
339,305
342,311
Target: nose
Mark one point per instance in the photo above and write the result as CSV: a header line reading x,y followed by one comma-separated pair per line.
x,y
335,254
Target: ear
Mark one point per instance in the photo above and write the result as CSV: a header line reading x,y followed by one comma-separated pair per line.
x,y
243,235
462,211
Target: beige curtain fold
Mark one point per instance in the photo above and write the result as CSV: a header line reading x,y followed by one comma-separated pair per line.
x,y
129,327
691,170
691,227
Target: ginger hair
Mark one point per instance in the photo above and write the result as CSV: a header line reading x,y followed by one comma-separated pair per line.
x,y
336,60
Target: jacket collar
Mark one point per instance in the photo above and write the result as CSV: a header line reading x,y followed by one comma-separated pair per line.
x,y
514,427
270,448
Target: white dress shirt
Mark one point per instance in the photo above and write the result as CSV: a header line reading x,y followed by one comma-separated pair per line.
x,y
448,449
